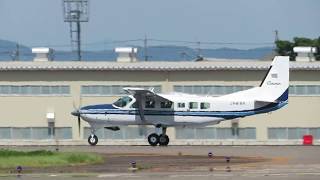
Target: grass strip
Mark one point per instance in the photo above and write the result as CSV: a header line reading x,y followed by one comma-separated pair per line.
x,y
43,158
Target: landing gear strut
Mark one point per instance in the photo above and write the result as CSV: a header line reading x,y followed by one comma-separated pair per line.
x,y
162,139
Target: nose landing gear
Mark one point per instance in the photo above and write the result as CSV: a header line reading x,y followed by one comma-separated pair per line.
x,y
93,140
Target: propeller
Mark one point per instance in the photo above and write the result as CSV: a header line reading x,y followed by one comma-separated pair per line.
x,y
77,113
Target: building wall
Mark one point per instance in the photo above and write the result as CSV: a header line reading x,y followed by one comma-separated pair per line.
x,y
31,110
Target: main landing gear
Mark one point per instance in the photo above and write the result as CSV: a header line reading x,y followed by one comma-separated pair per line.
x,y
162,139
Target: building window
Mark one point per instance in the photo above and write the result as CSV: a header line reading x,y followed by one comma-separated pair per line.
x,y
247,133
185,133
40,133
205,133
225,133
304,90
33,90
21,133
277,133
125,132
297,133
215,133
292,133
209,89
63,133
35,133
5,133
109,90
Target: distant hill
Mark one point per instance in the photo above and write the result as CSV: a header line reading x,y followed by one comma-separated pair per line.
x,y
155,53
9,48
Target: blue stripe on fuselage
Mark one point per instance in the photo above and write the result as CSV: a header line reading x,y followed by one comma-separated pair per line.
x,y
98,106
222,114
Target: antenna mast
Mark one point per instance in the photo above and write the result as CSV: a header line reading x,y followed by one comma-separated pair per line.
x,y
75,12
276,38
145,48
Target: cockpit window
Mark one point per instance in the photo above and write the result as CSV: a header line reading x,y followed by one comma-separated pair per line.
x,y
134,105
122,102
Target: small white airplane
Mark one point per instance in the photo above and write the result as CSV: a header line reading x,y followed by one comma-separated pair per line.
x,y
144,107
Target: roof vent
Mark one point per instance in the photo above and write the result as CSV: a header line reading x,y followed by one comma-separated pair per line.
x,y
42,53
305,53
126,54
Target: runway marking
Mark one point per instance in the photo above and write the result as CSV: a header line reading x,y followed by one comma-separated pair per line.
x,y
116,175
189,175
200,175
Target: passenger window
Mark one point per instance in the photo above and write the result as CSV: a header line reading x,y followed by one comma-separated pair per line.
x,y
204,105
181,105
150,104
166,104
193,105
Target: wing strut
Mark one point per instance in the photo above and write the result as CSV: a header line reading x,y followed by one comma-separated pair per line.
x,y
142,128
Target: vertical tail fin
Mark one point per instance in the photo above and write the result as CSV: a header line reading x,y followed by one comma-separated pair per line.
x,y
276,81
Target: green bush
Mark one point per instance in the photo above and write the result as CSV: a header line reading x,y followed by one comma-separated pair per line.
x,y
8,153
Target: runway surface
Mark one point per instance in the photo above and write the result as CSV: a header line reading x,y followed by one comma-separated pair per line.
x,y
188,162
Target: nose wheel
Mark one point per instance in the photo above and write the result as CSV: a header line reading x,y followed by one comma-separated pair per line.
x,y
93,140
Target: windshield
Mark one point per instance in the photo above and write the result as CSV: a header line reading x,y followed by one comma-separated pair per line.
x,y
122,102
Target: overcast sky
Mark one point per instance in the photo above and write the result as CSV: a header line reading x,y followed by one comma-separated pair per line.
x,y
40,22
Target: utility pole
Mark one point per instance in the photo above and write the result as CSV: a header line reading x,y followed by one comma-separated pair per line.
x,y
199,48
276,38
199,56
16,53
145,42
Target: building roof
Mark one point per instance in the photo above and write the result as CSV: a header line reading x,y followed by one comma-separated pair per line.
x,y
149,66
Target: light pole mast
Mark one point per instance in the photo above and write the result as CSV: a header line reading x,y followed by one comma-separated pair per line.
x,y
75,12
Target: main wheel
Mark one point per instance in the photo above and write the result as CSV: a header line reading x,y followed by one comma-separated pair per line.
x,y
164,140
153,139
93,140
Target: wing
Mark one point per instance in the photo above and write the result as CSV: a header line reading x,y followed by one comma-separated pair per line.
x,y
139,94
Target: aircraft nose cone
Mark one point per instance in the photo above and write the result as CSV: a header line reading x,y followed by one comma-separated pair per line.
x,y
75,113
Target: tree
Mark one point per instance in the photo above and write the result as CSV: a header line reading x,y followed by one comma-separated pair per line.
x,y
285,48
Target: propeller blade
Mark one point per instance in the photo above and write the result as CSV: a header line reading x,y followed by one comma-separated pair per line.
x,y
80,101
79,125
74,105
